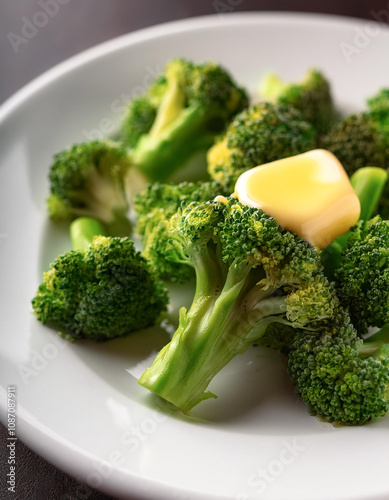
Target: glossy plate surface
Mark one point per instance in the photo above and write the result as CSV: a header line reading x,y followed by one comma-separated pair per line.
x,y
79,405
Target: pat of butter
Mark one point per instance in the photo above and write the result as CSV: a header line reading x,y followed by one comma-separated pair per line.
x,y
309,194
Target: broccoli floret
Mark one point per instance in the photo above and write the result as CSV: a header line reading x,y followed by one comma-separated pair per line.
x,y
340,377
261,134
362,278
101,290
154,207
89,180
312,96
362,139
139,118
250,272
358,141
181,114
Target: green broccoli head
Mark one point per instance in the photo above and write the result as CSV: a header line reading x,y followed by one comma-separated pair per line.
x,y
261,134
154,207
89,180
180,115
250,273
362,278
340,377
312,97
358,140
100,292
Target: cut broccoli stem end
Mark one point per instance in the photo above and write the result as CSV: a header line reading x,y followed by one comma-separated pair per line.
x,y
159,156
83,230
208,337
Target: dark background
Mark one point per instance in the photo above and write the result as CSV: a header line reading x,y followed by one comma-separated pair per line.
x,y
77,26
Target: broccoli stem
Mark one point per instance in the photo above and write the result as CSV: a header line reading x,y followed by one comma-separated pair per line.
x,y
159,156
209,335
170,107
83,230
368,184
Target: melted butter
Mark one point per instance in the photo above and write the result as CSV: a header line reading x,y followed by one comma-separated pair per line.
x,y
309,194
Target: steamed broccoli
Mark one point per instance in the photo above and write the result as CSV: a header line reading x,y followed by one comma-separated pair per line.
x,y
250,273
101,290
362,278
358,140
154,207
180,115
89,180
311,96
340,377
362,139
261,134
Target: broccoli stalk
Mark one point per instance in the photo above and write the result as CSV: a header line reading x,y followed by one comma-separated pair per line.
x,y
100,290
369,184
250,273
192,104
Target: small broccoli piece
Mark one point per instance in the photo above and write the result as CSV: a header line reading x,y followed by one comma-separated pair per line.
x,y
340,377
362,139
181,114
101,290
250,273
312,97
89,180
357,141
362,278
154,207
261,134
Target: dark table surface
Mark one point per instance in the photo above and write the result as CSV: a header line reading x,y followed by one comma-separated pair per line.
x,y
75,27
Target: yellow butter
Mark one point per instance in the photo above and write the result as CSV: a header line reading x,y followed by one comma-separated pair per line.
x,y
309,194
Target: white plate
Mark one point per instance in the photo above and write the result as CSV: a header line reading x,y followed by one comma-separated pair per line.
x,y
78,405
